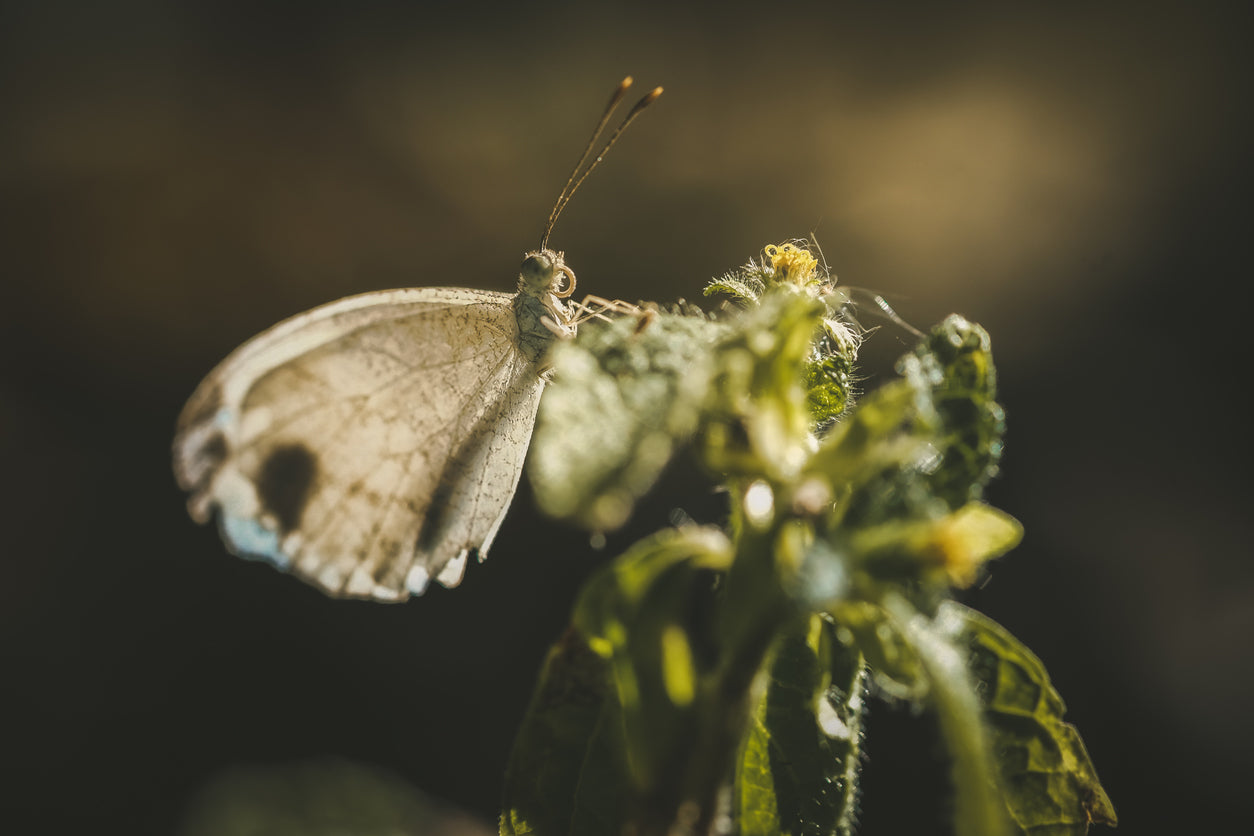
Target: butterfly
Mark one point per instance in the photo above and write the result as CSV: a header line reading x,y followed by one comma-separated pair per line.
x,y
369,445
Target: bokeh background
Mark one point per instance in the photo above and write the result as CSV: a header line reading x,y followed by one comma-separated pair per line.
x,y
178,176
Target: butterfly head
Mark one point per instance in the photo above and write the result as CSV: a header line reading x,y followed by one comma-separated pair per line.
x,y
543,272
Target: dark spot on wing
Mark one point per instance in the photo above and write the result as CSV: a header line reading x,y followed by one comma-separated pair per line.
x,y
435,524
214,450
284,483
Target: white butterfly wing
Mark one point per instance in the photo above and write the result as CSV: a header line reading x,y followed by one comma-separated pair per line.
x,y
367,445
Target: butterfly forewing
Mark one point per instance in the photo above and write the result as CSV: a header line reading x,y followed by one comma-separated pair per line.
x,y
369,444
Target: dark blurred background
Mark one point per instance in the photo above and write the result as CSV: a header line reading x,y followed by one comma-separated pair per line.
x,y
178,176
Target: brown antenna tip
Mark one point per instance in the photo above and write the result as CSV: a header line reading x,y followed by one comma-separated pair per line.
x,y
646,100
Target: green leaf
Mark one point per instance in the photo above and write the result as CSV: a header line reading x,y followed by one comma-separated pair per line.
x,y
954,546
624,395
568,767
830,374
1049,782
954,365
798,766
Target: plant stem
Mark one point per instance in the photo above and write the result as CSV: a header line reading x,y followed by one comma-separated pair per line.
x,y
978,807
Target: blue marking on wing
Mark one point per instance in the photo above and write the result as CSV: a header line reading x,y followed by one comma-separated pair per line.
x,y
249,538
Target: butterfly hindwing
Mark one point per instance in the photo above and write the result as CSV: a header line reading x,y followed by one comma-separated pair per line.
x,y
369,444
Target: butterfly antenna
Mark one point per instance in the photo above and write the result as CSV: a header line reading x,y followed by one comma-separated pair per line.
x,y
615,98
576,179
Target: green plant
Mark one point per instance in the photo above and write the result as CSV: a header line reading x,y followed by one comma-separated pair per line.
x,y
714,679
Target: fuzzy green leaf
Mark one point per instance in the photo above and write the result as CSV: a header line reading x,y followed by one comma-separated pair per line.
x,y
743,286
830,376
1050,785
798,766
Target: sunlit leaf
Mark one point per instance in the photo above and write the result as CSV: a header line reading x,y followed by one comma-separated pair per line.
x,y
742,286
955,545
970,537
1049,782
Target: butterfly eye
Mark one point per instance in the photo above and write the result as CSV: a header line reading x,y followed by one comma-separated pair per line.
x,y
537,272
